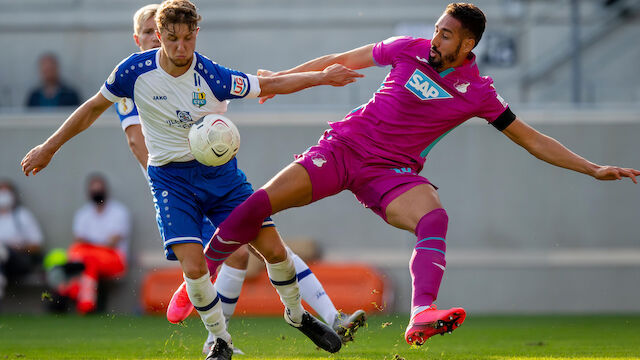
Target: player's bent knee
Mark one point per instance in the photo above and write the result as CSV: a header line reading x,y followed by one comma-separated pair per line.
x,y
191,259
239,259
194,270
270,246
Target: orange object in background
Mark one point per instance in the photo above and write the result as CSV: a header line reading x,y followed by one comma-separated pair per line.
x,y
350,286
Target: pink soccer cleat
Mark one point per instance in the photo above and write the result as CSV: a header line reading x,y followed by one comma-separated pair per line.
x,y
180,306
432,321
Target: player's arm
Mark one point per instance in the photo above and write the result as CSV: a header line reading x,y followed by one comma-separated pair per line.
x,y
334,75
38,158
135,139
355,59
550,150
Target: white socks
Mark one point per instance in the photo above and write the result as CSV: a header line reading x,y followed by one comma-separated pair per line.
x,y
312,291
417,309
283,278
204,298
229,284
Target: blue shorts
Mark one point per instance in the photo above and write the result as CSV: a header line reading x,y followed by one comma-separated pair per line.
x,y
185,194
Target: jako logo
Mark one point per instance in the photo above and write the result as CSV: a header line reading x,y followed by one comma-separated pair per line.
x,y
159,97
425,88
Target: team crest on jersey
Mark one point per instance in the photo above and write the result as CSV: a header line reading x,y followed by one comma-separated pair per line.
x,y
318,160
424,88
199,99
239,85
461,86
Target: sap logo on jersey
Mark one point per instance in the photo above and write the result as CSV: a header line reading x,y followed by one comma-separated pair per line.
x,y
239,85
424,88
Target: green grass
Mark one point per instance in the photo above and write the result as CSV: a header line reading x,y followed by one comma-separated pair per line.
x,y
482,337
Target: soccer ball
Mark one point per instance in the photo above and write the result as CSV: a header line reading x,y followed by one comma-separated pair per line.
x,y
214,140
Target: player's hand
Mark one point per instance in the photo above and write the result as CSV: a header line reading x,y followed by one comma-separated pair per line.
x,y
616,173
35,160
339,75
265,73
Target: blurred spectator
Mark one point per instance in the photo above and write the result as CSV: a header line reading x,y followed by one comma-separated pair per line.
x,y
101,230
20,237
51,92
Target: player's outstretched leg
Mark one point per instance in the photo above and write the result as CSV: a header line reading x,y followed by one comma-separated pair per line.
x,y
313,293
427,268
419,210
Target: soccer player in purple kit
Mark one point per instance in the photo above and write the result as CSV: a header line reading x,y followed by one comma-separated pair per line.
x,y
378,150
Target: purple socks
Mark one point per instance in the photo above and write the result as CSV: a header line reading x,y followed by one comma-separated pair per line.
x,y
240,227
427,262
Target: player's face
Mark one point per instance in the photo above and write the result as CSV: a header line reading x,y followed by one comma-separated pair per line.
x,y
147,38
446,43
179,43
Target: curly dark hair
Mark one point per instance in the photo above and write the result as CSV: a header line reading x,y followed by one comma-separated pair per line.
x,y
173,12
472,19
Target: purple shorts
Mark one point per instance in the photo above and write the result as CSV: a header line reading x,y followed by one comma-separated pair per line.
x,y
334,166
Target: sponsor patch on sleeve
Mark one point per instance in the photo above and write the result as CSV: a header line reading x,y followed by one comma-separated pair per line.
x,y
125,106
239,85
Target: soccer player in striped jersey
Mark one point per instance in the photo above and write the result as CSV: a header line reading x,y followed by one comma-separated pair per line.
x,y
172,87
231,276
378,150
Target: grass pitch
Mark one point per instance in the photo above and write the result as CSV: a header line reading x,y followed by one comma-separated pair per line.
x,y
481,337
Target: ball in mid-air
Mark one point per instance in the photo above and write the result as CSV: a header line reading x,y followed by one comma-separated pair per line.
x,y
214,140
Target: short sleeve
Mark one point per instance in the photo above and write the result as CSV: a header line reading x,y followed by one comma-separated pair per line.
x,y
127,112
226,83
122,79
385,51
495,109
117,85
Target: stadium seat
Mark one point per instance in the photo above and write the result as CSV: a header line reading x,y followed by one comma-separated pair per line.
x,y
350,286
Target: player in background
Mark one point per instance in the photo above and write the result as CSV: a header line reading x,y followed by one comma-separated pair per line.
x,y
378,150
173,86
232,273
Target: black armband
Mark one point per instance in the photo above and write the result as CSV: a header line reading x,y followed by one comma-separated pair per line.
x,y
505,119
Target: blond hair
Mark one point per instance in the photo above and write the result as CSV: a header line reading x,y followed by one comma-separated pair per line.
x,y
143,14
177,12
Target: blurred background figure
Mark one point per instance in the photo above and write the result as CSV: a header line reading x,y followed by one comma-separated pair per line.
x,y
51,92
20,237
101,230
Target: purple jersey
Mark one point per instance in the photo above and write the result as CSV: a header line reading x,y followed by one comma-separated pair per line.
x,y
416,106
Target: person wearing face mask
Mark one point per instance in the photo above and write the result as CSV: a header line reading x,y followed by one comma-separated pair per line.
x,y
20,237
101,230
